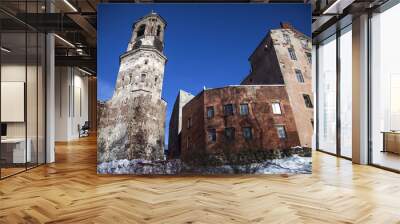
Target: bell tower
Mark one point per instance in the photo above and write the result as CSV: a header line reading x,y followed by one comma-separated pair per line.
x,y
148,32
142,65
132,122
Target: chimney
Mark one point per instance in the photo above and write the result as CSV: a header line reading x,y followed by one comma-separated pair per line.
x,y
286,25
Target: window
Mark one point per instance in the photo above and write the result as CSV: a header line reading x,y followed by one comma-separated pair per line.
x,y
292,54
228,109
307,101
247,134
326,122
230,133
143,77
286,38
312,122
299,76
212,135
281,131
385,88
210,112
146,62
276,108
244,109
309,57
189,123
304,43
140,31
158,30
188,143
345,93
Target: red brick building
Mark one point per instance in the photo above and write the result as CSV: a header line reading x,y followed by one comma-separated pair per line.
x,y
284,57
240,117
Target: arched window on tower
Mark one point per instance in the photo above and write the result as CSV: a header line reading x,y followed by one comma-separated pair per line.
x,y
141,30
158,30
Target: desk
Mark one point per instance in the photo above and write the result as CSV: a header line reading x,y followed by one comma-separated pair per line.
x,y
391,141
16,147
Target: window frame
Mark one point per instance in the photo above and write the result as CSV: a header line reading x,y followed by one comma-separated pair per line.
x,y
208,109
232,109
292,54
273,108
247,109
232,137
213,133
299,76
308,101
281,127
250,137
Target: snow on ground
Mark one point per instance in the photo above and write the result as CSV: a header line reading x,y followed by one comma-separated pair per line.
x,y
289,165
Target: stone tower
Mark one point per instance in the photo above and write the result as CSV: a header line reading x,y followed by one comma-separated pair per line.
x,y
132,122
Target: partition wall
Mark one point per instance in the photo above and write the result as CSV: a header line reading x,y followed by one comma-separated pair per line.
x,y
23,91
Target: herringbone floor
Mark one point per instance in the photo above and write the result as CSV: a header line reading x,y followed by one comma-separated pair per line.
x,y
70,191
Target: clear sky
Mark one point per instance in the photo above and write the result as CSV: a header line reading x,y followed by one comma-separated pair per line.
x,y
206,44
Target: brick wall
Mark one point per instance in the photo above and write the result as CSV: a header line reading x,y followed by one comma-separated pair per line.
x,y
260,118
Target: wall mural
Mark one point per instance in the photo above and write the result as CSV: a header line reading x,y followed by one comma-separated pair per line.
x,y
262,124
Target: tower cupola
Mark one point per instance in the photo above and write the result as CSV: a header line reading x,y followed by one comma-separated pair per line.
x,y
148,32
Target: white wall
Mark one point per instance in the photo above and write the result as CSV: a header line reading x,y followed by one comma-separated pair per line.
x,y
71,102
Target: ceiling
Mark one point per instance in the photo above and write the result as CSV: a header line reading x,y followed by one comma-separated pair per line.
x,y
75,22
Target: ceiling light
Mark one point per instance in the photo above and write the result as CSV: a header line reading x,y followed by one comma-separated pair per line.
x,y
64,40
337,7
5,50
70,5
84,71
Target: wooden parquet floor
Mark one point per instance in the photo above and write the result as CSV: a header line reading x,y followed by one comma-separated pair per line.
x,y
70,191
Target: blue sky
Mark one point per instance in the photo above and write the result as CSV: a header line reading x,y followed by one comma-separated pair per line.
x,y
206,44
